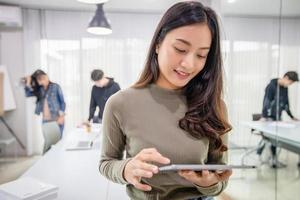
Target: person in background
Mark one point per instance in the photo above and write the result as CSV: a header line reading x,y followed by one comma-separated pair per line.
x,y
49,98
273,100
174,113
103,88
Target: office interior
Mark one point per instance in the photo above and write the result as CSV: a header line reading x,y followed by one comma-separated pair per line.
x,y
260,41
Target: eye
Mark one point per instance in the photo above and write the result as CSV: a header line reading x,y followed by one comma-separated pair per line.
x,y
201,56
180,50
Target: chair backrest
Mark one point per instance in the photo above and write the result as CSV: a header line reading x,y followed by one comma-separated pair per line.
x,y
51,134
256,116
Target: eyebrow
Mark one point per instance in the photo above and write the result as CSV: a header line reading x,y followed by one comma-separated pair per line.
x,y
188,43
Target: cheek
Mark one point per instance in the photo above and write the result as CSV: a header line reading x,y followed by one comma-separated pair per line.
x,y
198,69
168,60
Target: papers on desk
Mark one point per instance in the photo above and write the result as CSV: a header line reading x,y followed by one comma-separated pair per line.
x,y
28,189
284,124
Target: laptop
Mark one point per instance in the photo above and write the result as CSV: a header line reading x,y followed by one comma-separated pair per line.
x,y
79,145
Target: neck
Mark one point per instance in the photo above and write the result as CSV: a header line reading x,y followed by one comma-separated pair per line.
x,y
163,83
46,86
106,80
280,82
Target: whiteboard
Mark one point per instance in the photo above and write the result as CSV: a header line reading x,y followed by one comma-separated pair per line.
x,y
9,102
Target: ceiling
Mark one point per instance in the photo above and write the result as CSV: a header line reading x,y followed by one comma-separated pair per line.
x,y
290,8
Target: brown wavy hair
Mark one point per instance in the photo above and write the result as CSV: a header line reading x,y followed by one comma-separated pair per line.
x,y
206,116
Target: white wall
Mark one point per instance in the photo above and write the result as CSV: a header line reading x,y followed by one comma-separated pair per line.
x,y
11,52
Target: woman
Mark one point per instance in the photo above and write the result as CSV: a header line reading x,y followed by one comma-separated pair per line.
x,y
173,114
50,100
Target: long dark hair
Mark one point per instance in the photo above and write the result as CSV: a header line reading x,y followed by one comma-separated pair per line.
x,y
36,88
206,115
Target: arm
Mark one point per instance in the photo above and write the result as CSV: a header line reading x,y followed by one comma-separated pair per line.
x,y
287,106
217,158
93,106
211,183
113,143
61,100
28,91
268,98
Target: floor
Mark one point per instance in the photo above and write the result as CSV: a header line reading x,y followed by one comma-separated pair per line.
x,y
263,183
12,168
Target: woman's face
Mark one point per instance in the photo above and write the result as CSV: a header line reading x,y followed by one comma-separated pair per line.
x,y
43,80
182,55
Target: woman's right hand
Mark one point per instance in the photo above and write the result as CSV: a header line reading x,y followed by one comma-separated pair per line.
x,y
28,81
138,167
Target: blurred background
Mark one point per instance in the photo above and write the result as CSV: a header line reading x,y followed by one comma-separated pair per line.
x,y
260,42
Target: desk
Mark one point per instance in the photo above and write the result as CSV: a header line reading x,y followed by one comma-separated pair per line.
x,y
76,172
281,134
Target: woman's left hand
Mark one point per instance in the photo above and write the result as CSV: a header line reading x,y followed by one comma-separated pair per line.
x,y
205,178
61,120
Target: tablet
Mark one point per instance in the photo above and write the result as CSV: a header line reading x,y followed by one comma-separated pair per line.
x,y
204,167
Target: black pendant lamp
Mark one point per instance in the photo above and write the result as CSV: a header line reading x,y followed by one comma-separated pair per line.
x,y
99,24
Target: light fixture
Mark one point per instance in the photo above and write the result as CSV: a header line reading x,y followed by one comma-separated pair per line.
x,y
93,1
230,1
99,24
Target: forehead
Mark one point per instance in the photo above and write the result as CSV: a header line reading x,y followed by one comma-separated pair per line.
x,y
40,77
198,35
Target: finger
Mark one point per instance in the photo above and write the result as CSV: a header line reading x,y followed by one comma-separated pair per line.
x,y
141,186
189,175
204,173
142,173
154,157
149,150
147,167
224,175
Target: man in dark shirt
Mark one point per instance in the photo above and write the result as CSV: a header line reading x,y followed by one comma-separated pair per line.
x,y
103,88
273,100
271,97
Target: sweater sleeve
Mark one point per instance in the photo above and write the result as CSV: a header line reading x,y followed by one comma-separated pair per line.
x,y
216,158
112,163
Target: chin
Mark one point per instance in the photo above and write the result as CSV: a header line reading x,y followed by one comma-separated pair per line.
x,y
179,85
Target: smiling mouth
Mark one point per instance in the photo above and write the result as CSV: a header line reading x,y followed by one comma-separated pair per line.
x,y
181,74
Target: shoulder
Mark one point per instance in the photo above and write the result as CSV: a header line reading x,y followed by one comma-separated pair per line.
x,y
55,85
125,96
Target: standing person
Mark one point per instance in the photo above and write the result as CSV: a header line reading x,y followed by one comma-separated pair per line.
x,y
49,98
271,97
173,114
103,88
273,100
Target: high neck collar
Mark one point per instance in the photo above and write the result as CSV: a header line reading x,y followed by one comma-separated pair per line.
x,y
165,92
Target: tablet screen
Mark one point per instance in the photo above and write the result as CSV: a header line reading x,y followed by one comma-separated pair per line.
x,y
196,167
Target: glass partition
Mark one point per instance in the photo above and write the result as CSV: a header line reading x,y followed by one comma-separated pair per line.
x,y
251,50
288,126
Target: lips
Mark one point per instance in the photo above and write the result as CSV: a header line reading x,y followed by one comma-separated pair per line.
x,y
181,74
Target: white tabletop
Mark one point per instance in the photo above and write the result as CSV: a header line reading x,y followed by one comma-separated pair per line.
x,y
76,172
288,132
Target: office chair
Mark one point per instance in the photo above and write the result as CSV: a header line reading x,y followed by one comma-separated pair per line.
x,y
255,117
51,133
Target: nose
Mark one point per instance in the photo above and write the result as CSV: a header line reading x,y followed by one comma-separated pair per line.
x,y
188,61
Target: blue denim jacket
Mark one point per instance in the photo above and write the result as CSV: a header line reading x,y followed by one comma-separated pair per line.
x,y
54,97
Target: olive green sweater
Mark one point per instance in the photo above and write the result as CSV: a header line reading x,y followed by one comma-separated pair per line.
x,y
135,119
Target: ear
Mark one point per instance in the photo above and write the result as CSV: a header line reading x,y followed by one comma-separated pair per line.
x,y
157,48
